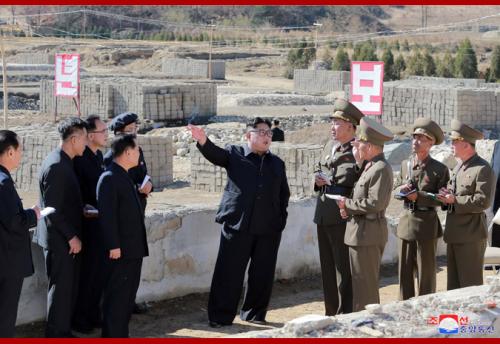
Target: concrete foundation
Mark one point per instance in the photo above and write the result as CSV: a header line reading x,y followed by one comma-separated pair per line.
x,y
181,68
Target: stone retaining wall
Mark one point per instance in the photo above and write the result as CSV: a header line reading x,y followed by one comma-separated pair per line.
x,y
179,68
150,99
157,153
319,81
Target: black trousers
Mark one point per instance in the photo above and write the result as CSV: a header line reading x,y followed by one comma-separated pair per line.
x,y
495,235
235,251
10,291
88,310
335,269
63,271
120,290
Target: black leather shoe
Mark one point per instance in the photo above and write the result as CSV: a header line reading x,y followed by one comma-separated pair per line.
x,y
82,328
140,308
215,324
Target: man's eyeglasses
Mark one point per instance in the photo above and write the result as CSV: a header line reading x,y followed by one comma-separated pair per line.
x,y
263,132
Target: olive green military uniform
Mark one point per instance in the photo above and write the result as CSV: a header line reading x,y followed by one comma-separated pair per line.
x,y
366,231
337,162
419,226
472,183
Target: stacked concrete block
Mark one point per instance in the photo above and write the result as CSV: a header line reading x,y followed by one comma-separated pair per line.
x,y
157,152
442,100
181,68
30,58
159,158
150,99
458,82
319,81
35,149
300,162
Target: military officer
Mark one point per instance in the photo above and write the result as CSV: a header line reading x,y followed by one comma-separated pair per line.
x,y
366,232
468,195
338,166
419,225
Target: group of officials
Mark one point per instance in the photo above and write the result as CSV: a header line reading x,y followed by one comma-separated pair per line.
x,y
355,183
95,240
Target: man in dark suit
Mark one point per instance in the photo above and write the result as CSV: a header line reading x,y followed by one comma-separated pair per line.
x,y
124,232
127,123
278,134
88,169
59,233
15,247
253,214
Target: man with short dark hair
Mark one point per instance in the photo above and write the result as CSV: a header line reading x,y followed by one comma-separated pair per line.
x,y
278,134
59,233
15,247
468,194
124,232
253,213
88,169
127,123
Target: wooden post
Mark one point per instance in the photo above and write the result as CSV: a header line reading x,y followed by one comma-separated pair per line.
x,y
5,92
210,52
55,108
77,105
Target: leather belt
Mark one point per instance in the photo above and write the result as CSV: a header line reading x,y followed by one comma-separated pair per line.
x,y
338,190
413,207
374,216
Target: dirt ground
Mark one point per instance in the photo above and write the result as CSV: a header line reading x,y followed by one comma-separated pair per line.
x,y
186,316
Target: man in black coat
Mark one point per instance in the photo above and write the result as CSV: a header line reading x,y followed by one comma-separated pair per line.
x,y
88,169
126,123
124,232
59,233
15,247
278,134
253,214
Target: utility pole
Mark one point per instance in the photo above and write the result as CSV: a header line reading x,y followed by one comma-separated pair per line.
x,y
212,26
84,23
317,26
4,75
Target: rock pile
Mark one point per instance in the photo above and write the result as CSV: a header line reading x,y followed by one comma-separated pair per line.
x,y
476,309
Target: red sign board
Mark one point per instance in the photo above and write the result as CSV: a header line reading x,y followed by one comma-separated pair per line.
x,y
367,81
67,75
